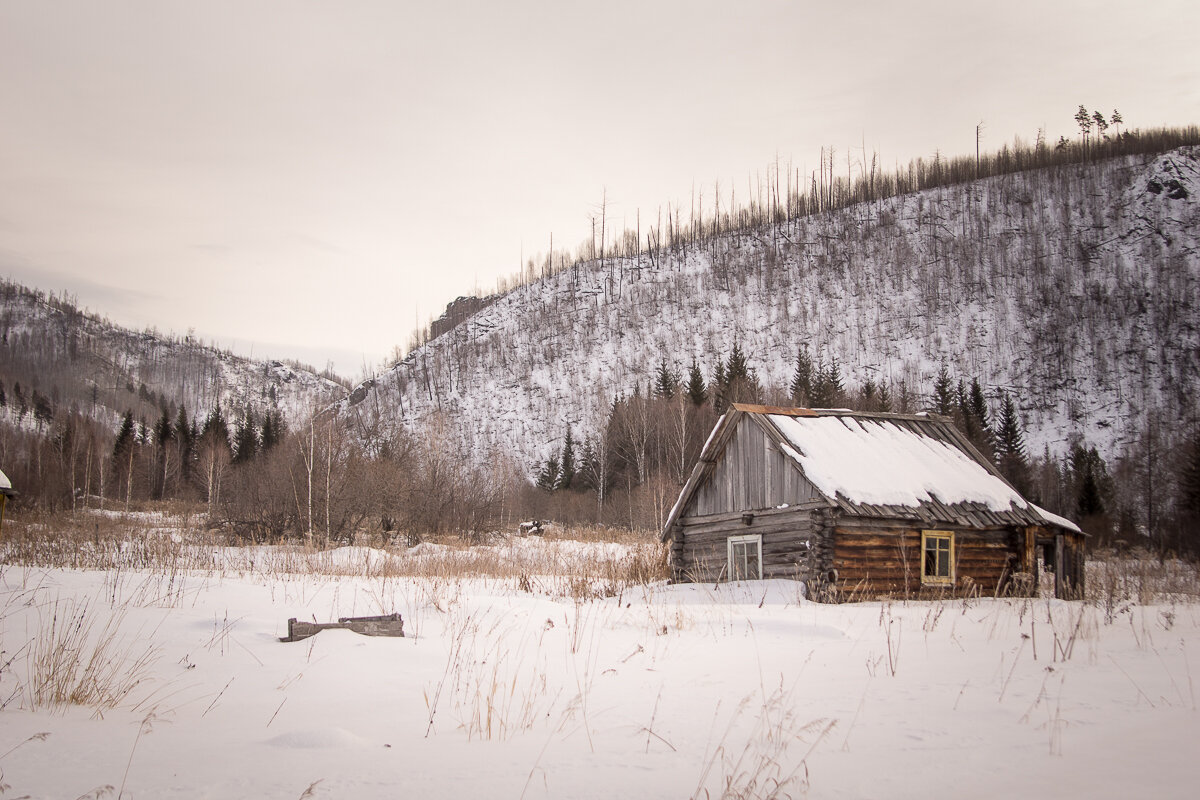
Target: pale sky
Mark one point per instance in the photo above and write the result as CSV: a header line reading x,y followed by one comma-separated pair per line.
x,y
310,178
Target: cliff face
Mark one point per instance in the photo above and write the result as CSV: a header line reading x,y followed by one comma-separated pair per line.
x,y
459,310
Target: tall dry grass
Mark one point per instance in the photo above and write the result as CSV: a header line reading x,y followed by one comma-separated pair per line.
x,y
582,562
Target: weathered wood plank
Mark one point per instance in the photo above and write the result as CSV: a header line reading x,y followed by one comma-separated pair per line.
x,y
385,625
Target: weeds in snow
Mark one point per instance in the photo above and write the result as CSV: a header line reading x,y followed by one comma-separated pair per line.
x,y
80,657
761,767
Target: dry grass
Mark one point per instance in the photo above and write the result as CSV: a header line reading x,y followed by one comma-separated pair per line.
x,y
82,657
1115,579
582,562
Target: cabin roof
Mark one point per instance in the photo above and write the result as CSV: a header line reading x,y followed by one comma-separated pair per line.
x,y
906,466
6,487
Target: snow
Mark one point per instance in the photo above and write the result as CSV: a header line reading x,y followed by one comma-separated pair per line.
x,y
1062,522
5,483
662,691
878,462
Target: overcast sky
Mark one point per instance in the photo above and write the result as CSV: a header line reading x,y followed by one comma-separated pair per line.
x,y
311,178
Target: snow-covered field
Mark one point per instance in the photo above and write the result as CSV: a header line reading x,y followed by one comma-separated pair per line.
x,y
512,687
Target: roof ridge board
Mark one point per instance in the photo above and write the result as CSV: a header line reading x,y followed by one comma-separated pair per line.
x,y
786,411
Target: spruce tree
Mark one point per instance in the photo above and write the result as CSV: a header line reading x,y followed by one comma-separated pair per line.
x,y
885,398
185,435
666,382
975,413
720,387
215,426
819,394
943,393
125,439
566,464
736,368
1090,502
837,390
1189,478
696,391
547,479
869,395
1010,446
802,378
1091,479
163,433
273,430
245,444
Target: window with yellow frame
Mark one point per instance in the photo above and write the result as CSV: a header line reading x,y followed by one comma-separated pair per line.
x,y
937,558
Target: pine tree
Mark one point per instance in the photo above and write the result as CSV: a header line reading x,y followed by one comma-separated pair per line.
x,y
802,378
566,468
696,391
1084,120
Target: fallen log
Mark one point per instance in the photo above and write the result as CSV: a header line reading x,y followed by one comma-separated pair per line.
x,y
385,625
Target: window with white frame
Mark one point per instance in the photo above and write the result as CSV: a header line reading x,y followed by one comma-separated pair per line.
x,y
937,557
745,558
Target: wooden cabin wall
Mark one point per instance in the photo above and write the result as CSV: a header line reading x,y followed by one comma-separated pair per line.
x,y
700,551
873,560
753,473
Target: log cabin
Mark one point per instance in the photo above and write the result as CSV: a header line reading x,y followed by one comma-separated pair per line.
x,y
862,505
6,491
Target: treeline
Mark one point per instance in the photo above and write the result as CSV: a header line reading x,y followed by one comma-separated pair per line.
x,y
631,472
258,479
261,481
782,193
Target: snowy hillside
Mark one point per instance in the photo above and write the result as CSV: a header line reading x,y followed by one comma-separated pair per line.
x,y
76,359
1075,287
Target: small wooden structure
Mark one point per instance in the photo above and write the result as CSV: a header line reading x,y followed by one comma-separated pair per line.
x,y
862,505
6,491
385,625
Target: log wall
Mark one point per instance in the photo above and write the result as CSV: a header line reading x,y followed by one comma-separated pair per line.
x,y
873,560
700,553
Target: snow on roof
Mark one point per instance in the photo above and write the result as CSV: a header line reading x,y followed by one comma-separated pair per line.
x,y
5,483
1055,519
878,462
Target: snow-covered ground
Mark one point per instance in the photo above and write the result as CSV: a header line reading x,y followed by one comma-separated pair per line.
x,y
659,691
